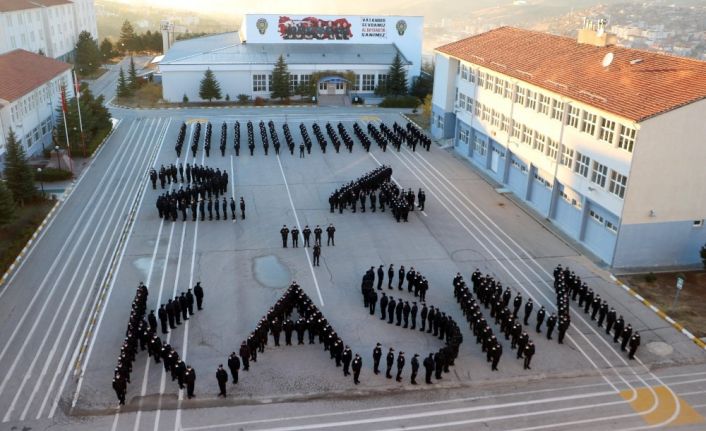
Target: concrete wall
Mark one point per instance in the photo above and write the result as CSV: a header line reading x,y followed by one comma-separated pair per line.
x,y
659,244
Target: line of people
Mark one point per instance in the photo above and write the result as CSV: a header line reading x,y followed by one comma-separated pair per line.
x,y
136,326
285,233
569,283
195,174
311,319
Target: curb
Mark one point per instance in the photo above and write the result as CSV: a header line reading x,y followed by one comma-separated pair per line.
x,y
49,216
678,326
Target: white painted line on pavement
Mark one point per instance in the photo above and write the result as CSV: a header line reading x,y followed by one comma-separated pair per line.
x,y
308,258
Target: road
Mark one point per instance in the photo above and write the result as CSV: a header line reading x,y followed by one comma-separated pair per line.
x,y
63,311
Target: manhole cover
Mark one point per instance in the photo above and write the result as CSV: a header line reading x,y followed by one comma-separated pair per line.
x,y
659,348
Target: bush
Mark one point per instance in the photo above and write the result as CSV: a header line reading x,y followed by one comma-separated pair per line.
x,y
651,277
185,99
259,101
243,98
227,97
399,102
52,174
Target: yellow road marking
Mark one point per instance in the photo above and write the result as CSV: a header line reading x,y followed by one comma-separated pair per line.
x,y
665,409
369,118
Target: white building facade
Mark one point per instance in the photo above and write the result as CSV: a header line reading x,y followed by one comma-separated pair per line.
x,y
48,26
363,47
609,154
29,97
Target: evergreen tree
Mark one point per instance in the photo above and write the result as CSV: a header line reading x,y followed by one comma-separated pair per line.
x,y
20,178
397,78
280,80
7,204
132,76
209,89
88,56
124,89
128,38
106,49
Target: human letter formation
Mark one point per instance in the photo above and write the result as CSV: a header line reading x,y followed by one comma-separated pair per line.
x,y
567,283
311,320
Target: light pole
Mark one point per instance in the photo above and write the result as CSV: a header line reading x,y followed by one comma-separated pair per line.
x,y
41,181
58,159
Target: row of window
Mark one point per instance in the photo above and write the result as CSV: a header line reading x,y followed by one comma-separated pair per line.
x,y
583,166
585,121
262,82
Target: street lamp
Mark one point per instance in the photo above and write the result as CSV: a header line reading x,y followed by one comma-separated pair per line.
x,y
58,159
41,181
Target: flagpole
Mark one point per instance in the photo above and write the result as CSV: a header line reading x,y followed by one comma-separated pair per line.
x,y
77,90
66,127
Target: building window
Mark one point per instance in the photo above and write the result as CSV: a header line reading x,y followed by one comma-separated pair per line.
x,y
599,174
589,123
368,82
462,101
574,116
479,109
304,80
611,227
382,79
597,217
440,122
495,118
570,197
322,86
505,124
293,83
479,145
526,135
489,81
540,179
520,95
516,130
626,140
519,165
339,85
356,85
544,104
532,100
481,79
499,86
557,110
552,149
698,223
582,164
36,134
259,82
618,183
469,104
486,113
507,90
607,130
471,76
539,141
464,72
463,136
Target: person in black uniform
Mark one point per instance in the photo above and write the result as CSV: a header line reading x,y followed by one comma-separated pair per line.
x,y
232,208
285,233
163,318
428,368
245,355
383,306
377,354
381,276
540,318
634,344
400,366
528,353
330,232
295,236
528,310
415,369
242,208
357,366
390,362
198,293
190,378
317,254
400,277
317,234
346,358
307,234
120,388
390,276
234,366
222,378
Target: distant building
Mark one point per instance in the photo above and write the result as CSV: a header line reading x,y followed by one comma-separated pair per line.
x,y
30,92
607,143
48,26
243,61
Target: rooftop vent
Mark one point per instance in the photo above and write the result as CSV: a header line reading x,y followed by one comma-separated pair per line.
x,y
636,61
593,33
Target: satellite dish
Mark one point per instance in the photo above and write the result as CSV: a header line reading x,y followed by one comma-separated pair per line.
x,y
607,59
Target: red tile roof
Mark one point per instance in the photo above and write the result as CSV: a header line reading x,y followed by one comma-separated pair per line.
x,y
637,85
22,71
14,5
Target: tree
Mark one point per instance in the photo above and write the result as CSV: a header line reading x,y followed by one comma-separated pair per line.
x,y
424,83
124,90
702,253
426,107
106,49
132,75
88,56
95,118
280,80
128,38
185,99
209,89
7,204
397,78
20,178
